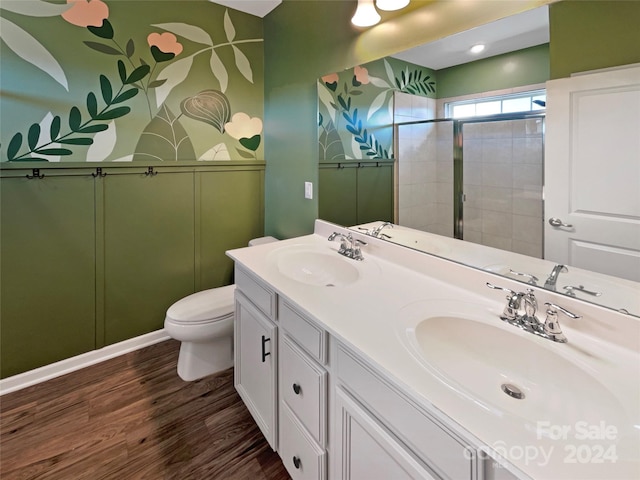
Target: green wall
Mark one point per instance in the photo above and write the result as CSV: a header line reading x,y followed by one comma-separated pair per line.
x,y
306,39
592,34
524,67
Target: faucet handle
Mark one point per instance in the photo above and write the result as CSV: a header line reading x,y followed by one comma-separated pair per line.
x,y
552,325
510,312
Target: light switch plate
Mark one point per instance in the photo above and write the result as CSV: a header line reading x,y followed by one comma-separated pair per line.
x,y
308,190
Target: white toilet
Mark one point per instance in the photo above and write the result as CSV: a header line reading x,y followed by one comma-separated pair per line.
x,y
203,322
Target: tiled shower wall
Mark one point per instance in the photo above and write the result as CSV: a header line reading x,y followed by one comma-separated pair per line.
x,y
502,184
425,167
502,177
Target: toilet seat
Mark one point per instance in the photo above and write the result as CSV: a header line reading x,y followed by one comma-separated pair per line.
x,y
203,307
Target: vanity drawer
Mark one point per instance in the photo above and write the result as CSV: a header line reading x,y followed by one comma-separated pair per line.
x,y
309,336
262,297
443,452
303,387
302,457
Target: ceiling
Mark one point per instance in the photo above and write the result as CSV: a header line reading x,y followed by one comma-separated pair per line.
x,y
258,8
508,34
512,33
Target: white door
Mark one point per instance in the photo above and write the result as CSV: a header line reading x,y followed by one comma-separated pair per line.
x,y
592,172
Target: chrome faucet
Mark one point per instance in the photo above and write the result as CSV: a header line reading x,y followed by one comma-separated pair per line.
x,y
377,231
349,247
527,320
550,282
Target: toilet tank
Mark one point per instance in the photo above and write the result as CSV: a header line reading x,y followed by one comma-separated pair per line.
x,y
261,240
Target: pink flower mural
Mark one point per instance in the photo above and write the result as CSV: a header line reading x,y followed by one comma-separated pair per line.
x,y
164,46
361,74
85,13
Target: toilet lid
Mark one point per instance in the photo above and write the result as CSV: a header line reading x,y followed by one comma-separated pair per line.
x,y
205,305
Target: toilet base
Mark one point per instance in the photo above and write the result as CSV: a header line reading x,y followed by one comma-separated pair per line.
x,y
197,360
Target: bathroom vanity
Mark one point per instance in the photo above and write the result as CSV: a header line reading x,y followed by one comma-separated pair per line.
x,y
399,366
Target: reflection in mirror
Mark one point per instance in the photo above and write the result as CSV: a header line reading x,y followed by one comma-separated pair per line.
x,y
482,179
616,293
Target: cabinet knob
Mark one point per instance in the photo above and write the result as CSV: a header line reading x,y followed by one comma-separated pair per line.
x,y
296,462
297,389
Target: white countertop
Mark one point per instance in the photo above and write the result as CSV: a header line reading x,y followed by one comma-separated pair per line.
x,y
372,315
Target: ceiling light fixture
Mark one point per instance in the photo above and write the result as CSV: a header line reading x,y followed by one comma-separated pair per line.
x,y
477,48
366,14
391,5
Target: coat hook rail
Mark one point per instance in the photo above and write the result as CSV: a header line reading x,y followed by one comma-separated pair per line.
x,y
35,173
99,173
150,172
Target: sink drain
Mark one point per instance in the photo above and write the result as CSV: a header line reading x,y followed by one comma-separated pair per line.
x,y
512,391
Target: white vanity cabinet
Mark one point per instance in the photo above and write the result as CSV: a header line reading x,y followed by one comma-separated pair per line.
x,y
256,352
303,395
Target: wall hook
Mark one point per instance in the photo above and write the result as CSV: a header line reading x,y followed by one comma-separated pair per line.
x,y
35,174
150,172
99,173
340,166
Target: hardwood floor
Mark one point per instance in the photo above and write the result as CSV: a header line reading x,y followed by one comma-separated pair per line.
x,y
129,418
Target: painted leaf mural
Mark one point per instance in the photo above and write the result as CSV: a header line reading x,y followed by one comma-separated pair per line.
x,y
31,51
356,108
164,139
127,86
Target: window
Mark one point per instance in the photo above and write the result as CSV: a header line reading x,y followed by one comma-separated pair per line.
x,y
519,102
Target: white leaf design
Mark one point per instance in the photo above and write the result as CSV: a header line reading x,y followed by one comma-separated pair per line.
x,y
219,152
35,8
103,144
174,74
378,82
355,148
190,32
390,74
32,51
242,62
45,137
377,104
228,27
126,158
219,70
326,99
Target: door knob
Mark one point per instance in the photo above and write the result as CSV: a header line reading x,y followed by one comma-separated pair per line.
x,y
556,222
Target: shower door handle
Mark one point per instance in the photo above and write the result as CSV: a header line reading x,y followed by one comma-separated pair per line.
x,y
556,222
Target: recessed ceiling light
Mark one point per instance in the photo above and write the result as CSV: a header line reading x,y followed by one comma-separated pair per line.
x,y
477,48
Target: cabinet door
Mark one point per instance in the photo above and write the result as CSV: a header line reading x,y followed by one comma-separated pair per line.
x,y
47,276
365,450
256,361
375,193
337,194
148,250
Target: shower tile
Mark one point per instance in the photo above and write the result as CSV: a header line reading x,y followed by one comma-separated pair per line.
x,y
472,150
497,129
419,194
527,176
472,219
473,196
444,193
420,171
525,248
405,199
402,104
496,224
527,229
444,171
497,199
527,150
472,173
472,131
496,150
472,235
497,174
503,243
527,202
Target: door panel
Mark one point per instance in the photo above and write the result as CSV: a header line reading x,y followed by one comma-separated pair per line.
x,y
592,172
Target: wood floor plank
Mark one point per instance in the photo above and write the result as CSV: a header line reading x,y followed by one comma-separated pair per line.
x,y
133,418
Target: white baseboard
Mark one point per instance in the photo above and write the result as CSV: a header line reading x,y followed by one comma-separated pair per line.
x,y
42,374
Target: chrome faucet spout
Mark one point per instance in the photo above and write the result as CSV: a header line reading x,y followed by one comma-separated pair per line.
x,y
376,231
550,282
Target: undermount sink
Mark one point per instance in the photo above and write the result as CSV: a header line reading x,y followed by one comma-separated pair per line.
x,y
512,372
317,267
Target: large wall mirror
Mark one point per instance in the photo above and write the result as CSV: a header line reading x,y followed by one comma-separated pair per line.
x,y
389,135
